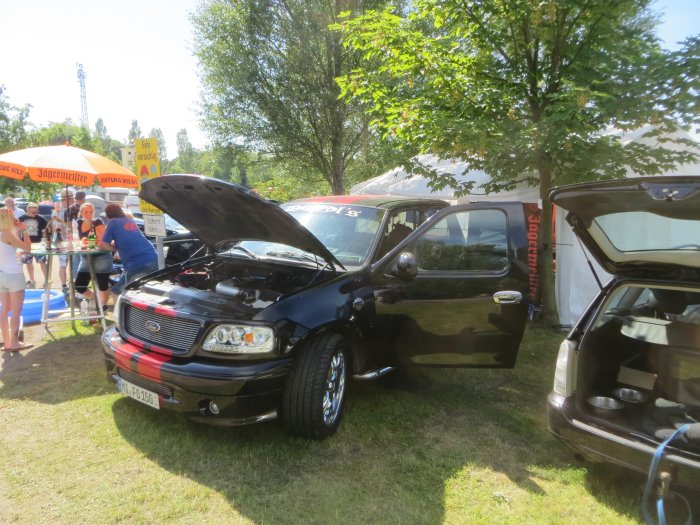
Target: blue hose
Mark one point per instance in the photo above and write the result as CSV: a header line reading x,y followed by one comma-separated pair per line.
x,y
651,477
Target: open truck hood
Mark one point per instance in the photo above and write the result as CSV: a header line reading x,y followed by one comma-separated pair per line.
x,y
220,212
649,224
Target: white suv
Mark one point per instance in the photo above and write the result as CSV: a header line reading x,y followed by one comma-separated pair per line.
x,y
132,203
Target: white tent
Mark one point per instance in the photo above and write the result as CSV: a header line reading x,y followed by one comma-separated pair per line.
x,y
575,285
399,182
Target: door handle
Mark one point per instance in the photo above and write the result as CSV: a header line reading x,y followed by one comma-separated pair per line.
x,y
507,297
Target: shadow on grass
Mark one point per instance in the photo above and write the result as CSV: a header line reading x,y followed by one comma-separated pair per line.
x,y
394,460
54,372
623,489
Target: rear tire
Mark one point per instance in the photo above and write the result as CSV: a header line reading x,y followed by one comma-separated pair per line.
x,y
314,394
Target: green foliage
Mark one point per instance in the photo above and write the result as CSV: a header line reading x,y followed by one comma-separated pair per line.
x,y
13,124
185,152
517,87
134,132
162,146
13,134
268,70
16,132
527,91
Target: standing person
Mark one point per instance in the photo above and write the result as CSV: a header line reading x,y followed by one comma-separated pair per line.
x,y
11,281
73,212
10,205
34,226
136,252
57,225
102,262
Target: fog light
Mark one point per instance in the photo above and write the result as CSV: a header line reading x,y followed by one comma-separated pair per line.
x,y
213,408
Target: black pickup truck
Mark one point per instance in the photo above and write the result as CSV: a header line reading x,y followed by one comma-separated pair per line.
x,y
292,301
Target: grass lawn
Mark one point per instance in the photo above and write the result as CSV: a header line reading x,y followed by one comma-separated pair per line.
x,y
473,447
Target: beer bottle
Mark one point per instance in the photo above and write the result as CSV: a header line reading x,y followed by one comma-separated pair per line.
x,y
91,238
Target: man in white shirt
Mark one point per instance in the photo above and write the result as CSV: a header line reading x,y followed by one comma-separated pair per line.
x,y
10,205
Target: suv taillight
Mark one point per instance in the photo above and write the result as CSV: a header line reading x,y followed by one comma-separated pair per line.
x,y
564,379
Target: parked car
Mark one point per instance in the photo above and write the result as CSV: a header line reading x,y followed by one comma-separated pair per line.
x,y
97,202
628,373
45,210
179,244
293,300
132,203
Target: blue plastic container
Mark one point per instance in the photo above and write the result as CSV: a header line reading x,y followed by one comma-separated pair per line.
x,y
31,309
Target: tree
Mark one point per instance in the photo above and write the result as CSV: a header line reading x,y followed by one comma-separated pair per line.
x,y
186,161
13,124
162,146
14,133
162,150
100,129
268,70
106,145
527,90
134,132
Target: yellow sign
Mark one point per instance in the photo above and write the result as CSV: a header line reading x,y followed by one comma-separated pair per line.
x,y
147,166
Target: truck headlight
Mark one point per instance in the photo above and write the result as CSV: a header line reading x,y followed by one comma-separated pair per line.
x,y
240,339
116,310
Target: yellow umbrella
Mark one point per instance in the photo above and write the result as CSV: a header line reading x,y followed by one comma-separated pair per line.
x,y
65,165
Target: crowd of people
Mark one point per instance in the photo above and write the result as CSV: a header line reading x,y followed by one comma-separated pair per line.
x,y
116,232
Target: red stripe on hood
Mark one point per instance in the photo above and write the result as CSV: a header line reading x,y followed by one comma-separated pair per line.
x,y
140,305
163,310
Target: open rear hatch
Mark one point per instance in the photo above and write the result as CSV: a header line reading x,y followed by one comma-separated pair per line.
x,y
638,227
639,362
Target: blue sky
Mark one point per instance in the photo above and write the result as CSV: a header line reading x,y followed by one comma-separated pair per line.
x,y
138,61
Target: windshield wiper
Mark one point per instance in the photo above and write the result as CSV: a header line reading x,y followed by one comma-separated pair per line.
x,y
293,255
244,250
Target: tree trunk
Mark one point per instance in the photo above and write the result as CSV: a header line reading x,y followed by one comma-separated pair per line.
x,y
550,316
337,177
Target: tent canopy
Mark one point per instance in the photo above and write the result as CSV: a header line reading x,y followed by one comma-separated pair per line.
x,y
400,182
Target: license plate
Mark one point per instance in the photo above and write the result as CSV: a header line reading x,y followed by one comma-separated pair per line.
x,y
139,394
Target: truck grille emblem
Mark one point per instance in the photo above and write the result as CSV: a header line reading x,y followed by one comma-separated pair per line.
x,y
152,326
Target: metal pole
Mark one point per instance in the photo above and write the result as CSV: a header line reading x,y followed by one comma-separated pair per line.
x,y
161,253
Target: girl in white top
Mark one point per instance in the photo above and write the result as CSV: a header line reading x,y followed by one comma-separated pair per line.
x,y
12,282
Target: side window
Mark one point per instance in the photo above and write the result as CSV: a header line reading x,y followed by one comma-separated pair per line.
x,y
400,225
465,241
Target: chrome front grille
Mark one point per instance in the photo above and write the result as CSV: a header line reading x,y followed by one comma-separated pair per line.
x,y
174,333
141,381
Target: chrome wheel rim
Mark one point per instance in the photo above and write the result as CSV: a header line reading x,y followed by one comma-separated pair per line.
x,y
335,388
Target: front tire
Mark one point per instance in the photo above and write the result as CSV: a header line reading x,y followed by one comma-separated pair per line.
x,y
314,394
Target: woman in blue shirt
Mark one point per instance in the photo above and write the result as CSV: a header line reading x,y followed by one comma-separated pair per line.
x,y
136,252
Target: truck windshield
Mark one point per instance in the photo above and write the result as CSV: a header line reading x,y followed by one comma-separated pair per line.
x,y
347,231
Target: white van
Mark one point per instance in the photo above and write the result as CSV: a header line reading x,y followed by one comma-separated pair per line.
x,y
116,195
132,203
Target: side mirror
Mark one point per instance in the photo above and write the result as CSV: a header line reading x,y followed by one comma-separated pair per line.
x,y
406,266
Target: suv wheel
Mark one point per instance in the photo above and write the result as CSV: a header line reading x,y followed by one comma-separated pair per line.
x,y
314,394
